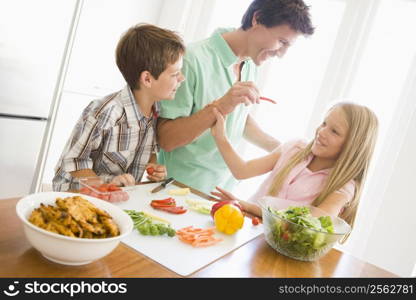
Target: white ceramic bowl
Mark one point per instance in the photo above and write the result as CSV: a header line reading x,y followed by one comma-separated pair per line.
x,y
64,249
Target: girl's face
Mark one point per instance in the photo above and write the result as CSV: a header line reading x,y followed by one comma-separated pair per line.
x,y
331,135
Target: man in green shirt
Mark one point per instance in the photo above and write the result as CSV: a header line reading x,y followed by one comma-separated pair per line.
x,y
220,72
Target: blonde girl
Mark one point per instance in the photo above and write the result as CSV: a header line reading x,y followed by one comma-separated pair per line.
x,y
327,172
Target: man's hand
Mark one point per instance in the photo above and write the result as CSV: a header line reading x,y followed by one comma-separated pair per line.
x,y
156,172
241,92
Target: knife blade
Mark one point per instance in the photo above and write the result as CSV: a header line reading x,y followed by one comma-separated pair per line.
x,y
163,185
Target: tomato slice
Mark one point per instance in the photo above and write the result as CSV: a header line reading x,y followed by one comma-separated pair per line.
x,y
167,200
163,202
113,188
154,205
173,209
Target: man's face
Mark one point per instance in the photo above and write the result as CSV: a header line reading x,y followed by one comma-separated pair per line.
x,y
269,42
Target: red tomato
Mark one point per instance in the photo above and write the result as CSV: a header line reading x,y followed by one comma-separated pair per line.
x,y
85,190
102,189
150,170
113,187
255,221
285,236
172,209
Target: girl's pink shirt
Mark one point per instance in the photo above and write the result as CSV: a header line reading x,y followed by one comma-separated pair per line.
x,y
301,185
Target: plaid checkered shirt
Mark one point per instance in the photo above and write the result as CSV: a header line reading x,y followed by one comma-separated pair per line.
x,y
111,137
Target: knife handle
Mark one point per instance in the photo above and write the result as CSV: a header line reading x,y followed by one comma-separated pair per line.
x,y
167,181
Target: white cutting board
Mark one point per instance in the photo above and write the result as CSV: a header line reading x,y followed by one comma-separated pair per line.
x,y
170,252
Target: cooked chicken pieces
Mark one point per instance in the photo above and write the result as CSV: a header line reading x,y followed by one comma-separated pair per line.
x,y
75,217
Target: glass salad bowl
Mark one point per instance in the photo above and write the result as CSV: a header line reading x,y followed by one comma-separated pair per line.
x,y
303,233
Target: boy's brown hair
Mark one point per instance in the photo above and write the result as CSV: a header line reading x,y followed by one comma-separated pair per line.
x,y
146,47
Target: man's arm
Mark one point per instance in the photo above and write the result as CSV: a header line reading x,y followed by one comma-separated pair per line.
x,y
174,133
255,135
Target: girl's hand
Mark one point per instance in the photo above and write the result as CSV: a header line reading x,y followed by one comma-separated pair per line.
x,y
218,129
156,172
248,207
224,195
123,180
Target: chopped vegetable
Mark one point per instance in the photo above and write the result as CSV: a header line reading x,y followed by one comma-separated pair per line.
x,y
221,203
163,202
106,191
255,221
172,209
168,205
303,236
154,217
228,219
146,225
201,206
179,192
198,237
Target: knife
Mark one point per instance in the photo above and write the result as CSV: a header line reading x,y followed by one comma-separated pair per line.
x,y
163,185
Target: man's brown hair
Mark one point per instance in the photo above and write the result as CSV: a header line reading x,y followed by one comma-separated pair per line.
x,y
146,47
271,13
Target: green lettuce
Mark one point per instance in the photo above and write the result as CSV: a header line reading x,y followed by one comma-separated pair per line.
x,y
303,236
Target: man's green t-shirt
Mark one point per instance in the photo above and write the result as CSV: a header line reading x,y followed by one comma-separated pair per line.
x,y
208,69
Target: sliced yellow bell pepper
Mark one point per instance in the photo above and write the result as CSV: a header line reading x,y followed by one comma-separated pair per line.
x,y
228,219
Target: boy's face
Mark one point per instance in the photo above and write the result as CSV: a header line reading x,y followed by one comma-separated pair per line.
x,y
169,81
269,42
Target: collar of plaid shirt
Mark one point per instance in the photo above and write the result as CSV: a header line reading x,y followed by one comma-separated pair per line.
x,y
133,113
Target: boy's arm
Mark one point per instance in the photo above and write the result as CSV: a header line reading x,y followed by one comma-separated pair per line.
x,y
255,135
83,173
85,136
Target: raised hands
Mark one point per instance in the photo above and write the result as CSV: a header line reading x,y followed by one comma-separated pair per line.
x,y
242,92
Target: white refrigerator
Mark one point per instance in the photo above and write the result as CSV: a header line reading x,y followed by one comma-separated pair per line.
x,y
34,39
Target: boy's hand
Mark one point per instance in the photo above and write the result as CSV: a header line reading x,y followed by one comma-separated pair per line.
x,y
218,129
156,172
124,180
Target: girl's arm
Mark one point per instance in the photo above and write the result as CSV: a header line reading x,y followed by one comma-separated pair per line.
x,y
239,168
334,203
249,207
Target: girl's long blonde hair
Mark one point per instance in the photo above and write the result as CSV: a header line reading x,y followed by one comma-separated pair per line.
x,y
352,163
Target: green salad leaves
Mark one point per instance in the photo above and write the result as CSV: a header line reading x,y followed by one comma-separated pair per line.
x,y
298,234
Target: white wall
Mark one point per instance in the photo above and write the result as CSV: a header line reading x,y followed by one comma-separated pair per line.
x,y
392,242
